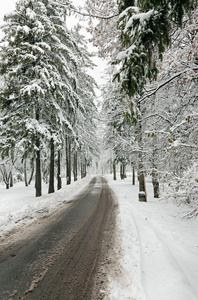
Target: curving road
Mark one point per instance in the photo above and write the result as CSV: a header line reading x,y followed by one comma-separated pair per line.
x,y
61,261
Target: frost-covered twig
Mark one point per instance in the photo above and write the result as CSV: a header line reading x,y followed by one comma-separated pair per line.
x,y
192,214
166,82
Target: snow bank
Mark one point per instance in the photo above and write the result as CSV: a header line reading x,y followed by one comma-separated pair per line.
x,y
160,250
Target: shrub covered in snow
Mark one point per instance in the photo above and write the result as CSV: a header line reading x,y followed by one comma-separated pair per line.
x,y
183,190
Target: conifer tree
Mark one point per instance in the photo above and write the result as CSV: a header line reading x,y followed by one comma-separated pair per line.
x,y
145,32
37,62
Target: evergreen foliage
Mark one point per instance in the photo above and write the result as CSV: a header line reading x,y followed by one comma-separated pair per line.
x,y
41,63
145,33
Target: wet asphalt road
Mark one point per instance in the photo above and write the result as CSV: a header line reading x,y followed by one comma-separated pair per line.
x,y
61,261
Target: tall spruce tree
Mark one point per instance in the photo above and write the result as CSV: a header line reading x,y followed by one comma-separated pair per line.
x,y
85,139
39,91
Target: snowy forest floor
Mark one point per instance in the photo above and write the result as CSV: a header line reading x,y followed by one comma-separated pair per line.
x,y
157,250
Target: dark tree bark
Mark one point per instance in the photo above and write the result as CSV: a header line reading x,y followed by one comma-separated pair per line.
x,y
68,160
25,172
11,179
51,177
38,179
83,168
32,172
75,166
114,170
122,169
59,181
155,183
142,185
38,185
133,177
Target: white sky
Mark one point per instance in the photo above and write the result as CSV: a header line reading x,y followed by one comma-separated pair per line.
x,y
7,6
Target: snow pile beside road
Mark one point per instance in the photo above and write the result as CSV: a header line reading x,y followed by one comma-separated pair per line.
x,y
19,206
159,249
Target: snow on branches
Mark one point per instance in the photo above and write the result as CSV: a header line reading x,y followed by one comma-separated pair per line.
x,y
103,28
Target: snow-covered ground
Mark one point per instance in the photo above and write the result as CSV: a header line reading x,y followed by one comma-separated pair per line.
x,y
157,250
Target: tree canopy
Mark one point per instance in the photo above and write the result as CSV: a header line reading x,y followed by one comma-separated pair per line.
x,y
145,32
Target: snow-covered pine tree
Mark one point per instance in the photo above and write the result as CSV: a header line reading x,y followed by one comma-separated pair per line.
x,y
86,142
39,91
120,133
145,32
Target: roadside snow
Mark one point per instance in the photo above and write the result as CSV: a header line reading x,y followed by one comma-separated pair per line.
x,y
19,206
159,250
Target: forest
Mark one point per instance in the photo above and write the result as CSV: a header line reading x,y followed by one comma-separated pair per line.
x,y
51,126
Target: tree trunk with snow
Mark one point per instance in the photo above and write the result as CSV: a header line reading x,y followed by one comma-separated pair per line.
x,y
155,183
114,170
59,181
154,173
83,168
38,179
51,176
133,176
75,166
25,172
142,185
32,171
11,179
68,160
5,177
122,171
38,185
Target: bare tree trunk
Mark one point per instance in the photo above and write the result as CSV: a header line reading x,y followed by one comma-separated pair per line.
x,y
38,185
38,180
68,160
25,172
133,177
51,177
11,179
32,172
75,166
155,183
114,170
122,176
5,177
142,185
154,173
59,181
83,168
